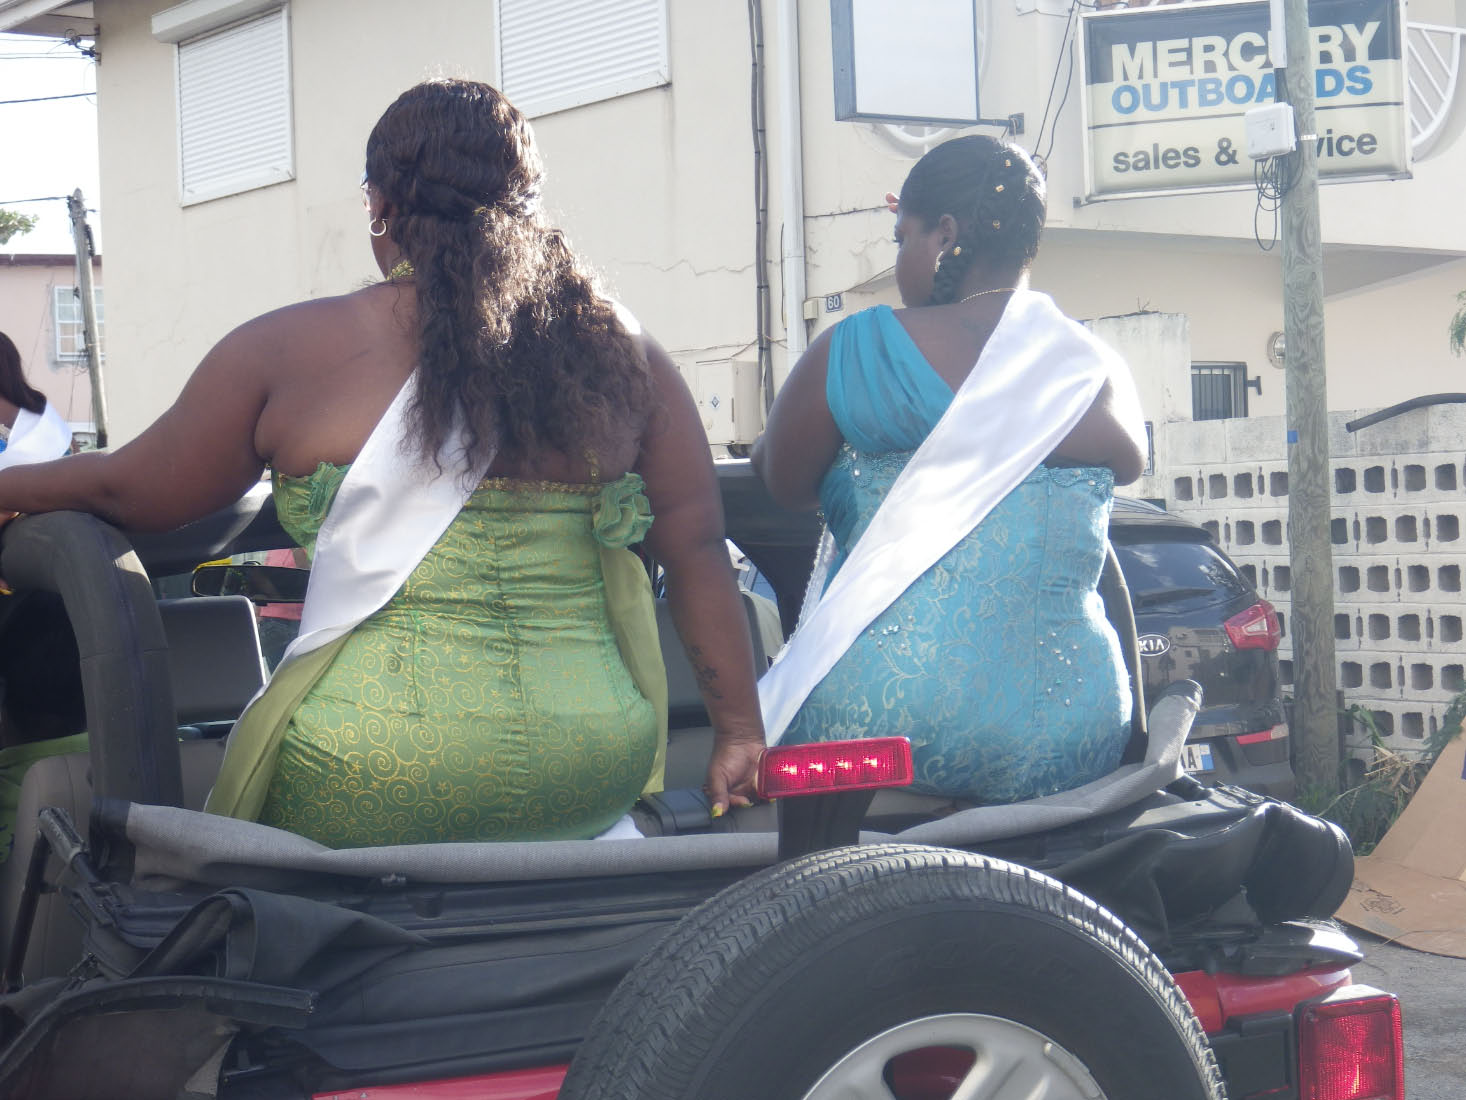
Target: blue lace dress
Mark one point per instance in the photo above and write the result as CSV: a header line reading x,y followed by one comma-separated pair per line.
x,y
998,662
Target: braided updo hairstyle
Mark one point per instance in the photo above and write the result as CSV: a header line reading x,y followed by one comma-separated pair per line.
x,y
515,344
995,194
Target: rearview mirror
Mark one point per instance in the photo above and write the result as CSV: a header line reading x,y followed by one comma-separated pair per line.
x,y
260,583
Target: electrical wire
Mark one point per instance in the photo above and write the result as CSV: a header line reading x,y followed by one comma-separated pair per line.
x,y
1273,177
48,98
1059,111
1066,52
1054,83
763,292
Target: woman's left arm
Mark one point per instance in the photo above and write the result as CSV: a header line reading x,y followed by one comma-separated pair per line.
x,y
197,457
687,539
801,438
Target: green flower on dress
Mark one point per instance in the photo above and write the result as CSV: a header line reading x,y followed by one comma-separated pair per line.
x,y
621,515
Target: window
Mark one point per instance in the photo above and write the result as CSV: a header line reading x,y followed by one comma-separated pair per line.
x,y
1218,390
556,54
71,344
234,125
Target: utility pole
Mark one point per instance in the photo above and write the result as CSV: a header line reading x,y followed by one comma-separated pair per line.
x,y
81,234
1310,552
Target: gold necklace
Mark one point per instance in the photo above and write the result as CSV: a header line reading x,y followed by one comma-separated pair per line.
x,y
980,293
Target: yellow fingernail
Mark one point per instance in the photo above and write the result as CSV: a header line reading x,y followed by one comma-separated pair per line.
x,y
717,811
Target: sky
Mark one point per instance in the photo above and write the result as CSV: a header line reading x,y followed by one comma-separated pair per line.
x,y
47,148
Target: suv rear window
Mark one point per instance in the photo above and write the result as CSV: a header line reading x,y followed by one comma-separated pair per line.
x,y
1180,571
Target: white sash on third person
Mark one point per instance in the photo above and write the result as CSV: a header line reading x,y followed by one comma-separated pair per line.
x,y
1036,377
36,437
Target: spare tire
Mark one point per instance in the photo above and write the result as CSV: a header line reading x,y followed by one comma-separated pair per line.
x,y
883,970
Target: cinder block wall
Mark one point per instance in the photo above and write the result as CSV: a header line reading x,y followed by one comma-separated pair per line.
x,y
1399,501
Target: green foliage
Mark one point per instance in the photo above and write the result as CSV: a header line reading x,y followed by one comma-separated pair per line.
x,y
1367,809
14,225
1458,326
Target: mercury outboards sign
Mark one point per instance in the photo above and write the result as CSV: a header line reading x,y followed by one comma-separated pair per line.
x,y
1166,88
1153,645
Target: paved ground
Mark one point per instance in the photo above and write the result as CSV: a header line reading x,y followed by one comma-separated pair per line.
x,y
1432,992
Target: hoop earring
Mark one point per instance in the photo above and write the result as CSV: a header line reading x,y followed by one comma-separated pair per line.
x,y
374,231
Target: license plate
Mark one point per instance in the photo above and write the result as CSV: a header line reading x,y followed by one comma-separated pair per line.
x,y
1196,757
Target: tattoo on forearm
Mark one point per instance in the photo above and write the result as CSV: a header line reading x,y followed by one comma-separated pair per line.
x,y
706,674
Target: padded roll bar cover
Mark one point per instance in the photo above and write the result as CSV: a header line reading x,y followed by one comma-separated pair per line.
x,y
1116,596
1304,867
124,654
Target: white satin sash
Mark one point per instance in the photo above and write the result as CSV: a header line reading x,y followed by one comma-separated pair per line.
x,y
36,437
391,509
1036,377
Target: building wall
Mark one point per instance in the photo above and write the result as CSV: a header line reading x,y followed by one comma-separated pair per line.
x,y
1398,508
653,189
27,285
656,190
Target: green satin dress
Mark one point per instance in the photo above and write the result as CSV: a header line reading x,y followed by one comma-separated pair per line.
x,y
488,699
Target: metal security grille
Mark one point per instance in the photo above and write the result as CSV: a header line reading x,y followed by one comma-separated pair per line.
x,y
1218,390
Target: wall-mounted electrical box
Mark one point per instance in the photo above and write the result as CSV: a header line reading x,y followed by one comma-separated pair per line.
x,y
727,395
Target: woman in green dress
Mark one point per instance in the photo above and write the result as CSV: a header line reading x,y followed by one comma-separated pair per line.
x,y
499,693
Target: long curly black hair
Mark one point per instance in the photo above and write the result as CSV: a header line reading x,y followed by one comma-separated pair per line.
x,y
996,195
13,386
515,343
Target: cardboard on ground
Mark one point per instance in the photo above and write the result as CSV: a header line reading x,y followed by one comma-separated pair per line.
x,y
1412,888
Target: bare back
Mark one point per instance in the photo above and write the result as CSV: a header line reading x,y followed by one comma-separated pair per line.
x,y
952,340
342,360
801,438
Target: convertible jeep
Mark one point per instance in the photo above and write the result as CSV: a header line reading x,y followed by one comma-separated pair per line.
x,y
1142,937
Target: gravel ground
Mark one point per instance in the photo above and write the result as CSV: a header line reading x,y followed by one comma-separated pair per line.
x,y
1432,992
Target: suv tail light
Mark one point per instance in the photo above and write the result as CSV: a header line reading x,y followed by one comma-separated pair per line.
x,y
1351,1050
1276,733
826,766
1255,628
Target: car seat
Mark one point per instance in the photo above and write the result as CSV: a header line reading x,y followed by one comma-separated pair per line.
x,y
216,667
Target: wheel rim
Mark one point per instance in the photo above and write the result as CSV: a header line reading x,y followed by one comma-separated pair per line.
x,y
1009,1061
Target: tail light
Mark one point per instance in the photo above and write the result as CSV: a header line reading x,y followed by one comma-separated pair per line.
x,y
825,766
1277,733
1255,628
1351,1050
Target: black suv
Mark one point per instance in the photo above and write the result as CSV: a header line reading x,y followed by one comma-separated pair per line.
x,y
1199,619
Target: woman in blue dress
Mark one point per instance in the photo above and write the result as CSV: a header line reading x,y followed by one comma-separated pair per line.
x,y
997,660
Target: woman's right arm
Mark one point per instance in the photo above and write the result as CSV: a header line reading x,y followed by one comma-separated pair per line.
x,y
195,458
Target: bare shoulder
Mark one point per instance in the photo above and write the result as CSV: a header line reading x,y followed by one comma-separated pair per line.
x,y
318,331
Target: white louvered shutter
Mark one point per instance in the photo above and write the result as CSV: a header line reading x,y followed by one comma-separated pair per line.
x,y
556,54
234,109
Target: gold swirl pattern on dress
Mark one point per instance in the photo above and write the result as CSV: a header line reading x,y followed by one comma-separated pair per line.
x,y
487,700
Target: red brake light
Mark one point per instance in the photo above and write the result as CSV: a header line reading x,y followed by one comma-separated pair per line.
x,y
1255,628
1351,1050
823,766
1277,733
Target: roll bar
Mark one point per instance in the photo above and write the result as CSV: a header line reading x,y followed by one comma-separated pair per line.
x,y
119,635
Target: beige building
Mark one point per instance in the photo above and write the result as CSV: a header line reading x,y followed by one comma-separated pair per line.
x,y
40,312
232,135
738,225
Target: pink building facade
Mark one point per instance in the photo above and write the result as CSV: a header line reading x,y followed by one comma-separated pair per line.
x,y
40,312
